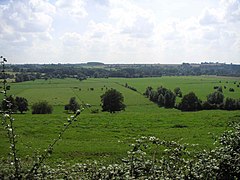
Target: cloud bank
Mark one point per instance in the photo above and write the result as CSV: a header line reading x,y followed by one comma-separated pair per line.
x,y
119,31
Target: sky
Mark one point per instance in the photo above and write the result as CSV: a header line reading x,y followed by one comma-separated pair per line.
x,y
120,31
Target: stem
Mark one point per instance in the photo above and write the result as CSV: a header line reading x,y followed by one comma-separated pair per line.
x,y
10,126
14,150
49,150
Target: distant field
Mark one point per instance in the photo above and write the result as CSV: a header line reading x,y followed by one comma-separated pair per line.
x,y
104,135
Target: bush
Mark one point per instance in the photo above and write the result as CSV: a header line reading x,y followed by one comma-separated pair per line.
x,y
42,107
207,106
215,98
72,105
177,161
150,158
163,97
232,104
190,102
178,92
22,104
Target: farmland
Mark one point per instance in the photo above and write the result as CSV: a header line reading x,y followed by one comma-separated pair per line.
x,y
107,136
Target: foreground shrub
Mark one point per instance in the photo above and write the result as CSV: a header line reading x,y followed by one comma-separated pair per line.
x,y
42,107
152,158
9,104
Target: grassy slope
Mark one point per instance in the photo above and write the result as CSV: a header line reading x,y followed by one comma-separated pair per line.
x,y
95,136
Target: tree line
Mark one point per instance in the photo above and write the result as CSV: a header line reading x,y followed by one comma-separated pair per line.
x,y
35,71
111,101
190,102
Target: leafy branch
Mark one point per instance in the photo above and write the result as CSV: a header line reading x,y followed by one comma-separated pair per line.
x,y
8,123
49,150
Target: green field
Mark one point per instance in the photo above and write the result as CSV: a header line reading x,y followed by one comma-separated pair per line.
x,y
107,136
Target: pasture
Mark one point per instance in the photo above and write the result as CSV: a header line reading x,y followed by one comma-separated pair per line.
x,y
105,136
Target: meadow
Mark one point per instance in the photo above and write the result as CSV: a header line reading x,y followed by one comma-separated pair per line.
x,y
104,136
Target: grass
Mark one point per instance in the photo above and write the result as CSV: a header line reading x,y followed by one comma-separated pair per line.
x,y
104,136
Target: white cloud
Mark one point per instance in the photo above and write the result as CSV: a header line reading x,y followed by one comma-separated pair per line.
x,y
118,31
21,21
73,8
141,28
210,17
102,2
131,19
71,39
232,10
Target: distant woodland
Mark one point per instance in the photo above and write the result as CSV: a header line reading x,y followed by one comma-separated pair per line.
x,y
28,72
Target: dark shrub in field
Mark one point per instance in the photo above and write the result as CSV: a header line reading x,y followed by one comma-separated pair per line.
x,y
215,98
163,97
190,102
232,104
22,104
42,107
72,105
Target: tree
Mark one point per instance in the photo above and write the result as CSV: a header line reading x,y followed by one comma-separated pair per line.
x,y
153,96
112,101
163,97
161,100
178,92
215,98
169,99
22,104
9,104
73,105
148,91
190,102
220,89
42,107
231,104
162,90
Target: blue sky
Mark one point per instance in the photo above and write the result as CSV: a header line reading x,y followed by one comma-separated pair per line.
x,y
120,31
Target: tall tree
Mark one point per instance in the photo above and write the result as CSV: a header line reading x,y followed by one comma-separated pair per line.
x,y
169,99
22,104
161,100
112,101
148,91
